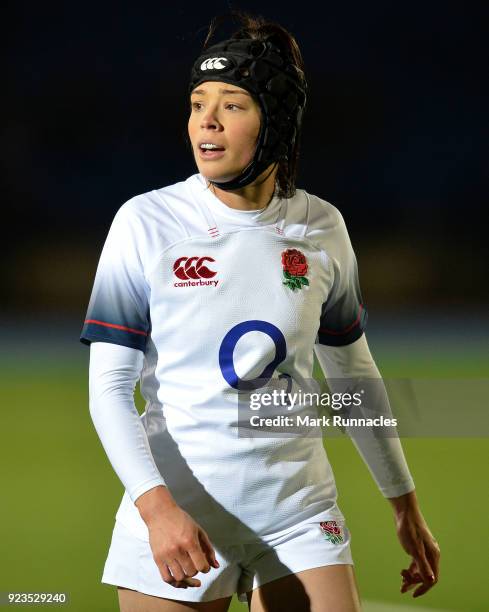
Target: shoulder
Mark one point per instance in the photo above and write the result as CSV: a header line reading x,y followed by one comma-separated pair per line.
x,y
160,202
325,222
153,220
327,230
164,210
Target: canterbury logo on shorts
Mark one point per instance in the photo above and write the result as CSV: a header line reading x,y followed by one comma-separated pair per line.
x,y
214,63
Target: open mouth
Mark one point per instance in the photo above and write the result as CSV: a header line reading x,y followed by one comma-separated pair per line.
x,y
211,152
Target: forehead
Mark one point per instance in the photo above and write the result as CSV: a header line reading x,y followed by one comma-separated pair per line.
x,y
219,87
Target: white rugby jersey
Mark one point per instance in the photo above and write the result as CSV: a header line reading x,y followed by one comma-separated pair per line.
x,y
215,296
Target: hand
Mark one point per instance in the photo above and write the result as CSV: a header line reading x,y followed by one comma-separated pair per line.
x,y
180,546
417,540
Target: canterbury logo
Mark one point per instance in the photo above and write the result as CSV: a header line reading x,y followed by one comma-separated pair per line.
x,y
193,267
214,63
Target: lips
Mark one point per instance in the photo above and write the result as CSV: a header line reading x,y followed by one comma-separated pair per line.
x,y
210,153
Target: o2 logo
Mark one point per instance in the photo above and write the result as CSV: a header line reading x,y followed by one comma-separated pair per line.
x,y
228,345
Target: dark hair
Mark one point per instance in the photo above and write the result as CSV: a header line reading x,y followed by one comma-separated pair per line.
x,y
258,28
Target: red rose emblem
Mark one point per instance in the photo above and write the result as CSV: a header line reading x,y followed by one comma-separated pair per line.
x,y
295,267
330,527
331,531
294,262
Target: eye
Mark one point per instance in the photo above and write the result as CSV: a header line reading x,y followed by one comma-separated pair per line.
x,y
195,105
234,105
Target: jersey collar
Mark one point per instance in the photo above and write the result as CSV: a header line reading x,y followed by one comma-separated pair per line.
x,y
262,216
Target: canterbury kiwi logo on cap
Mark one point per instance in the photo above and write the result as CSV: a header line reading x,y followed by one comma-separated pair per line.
x,y
214,63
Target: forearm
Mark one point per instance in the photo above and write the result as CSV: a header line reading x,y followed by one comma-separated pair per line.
x,y
404,503
382,454
153,503
113,373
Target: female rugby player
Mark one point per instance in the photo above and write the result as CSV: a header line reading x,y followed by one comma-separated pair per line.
x,y
207,290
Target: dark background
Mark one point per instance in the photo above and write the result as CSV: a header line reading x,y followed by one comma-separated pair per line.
x,y
395,135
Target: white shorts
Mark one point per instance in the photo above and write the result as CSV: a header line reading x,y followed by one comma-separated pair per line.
x,y
243,567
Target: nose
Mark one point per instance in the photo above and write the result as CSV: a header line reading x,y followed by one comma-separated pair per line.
x,y
210,121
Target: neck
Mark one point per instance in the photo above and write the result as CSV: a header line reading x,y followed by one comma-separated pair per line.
x,y
251,197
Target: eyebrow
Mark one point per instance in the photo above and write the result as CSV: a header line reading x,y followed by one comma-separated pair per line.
x,y
202,92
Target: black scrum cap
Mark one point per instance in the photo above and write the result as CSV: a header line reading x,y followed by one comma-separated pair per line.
x,y
271,77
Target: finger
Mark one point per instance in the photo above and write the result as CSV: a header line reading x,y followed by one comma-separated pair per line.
x,y
407,587
208,548
192,582
428,581
186,582
410,579
179,577
422,589
176,570
433,555
165,573
411,576
408,573
426,586
187,564
423,564
199,560
168,578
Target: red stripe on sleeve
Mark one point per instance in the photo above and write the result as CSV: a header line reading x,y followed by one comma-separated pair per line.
x,y
121,327
347,329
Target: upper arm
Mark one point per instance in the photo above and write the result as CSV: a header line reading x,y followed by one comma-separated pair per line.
x,y
343,314
118,310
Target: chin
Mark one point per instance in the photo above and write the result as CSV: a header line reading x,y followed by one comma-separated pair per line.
x,y
216,175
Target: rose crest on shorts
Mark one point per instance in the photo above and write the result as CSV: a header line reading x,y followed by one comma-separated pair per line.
x,y
331,531
295,268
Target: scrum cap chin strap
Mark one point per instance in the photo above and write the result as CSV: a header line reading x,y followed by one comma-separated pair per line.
x,y
262,68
